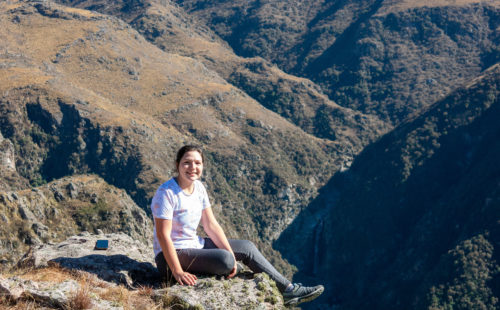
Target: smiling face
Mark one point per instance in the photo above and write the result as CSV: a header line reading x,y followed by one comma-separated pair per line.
x,y
190,168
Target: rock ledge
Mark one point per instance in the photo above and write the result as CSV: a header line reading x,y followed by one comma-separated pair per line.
x,y
57,275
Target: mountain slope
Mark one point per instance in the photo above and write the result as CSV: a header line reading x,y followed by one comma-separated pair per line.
x,y
385,58
83,92
297,99
413,224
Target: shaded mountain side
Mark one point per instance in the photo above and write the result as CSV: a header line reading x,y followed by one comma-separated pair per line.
x,y
385,58
413,224
82,92
298,100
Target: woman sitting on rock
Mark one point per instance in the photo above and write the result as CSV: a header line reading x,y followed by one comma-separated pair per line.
x,y
177,207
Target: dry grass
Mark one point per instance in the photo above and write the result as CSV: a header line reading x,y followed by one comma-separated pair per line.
x,y
81,299
120,83
81,12
89,285
20,77
144,302
141,298
10,5
145,291
118,294
20,305
52,274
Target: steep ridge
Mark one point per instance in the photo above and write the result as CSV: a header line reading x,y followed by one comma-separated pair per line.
x,y
413,224
83,92
385,58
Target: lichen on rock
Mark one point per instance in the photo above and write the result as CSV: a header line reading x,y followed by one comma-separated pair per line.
x,y
245,291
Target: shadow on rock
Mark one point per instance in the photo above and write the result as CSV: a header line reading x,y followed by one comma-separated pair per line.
x,y
119,269
126,260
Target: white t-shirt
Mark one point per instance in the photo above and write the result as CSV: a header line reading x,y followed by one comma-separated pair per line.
x,y
171,203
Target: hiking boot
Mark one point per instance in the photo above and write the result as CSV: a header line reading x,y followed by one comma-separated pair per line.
x,y
300,294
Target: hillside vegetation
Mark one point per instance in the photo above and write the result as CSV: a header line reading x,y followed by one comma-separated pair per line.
x,y
414,223
385,58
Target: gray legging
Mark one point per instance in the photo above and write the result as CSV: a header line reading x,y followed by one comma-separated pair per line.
x,y
215,261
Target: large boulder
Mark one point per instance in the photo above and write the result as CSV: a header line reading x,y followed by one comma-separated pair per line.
x,y
126,261
77,269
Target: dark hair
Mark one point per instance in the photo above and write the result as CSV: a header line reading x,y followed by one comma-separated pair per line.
x,y
188,148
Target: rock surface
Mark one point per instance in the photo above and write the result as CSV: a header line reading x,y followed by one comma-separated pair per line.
x,y
7,156
56,294
58,275
237,293
126,261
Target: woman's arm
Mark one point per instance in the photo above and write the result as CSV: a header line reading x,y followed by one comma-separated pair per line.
x,y
215,232
163,229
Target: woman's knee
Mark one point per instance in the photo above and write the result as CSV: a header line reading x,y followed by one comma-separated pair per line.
x,y
247,247
250,245
226,262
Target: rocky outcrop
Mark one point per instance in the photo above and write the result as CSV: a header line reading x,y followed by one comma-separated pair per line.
x,y
7,158
10,179
126,261
56,294
65,207
241,292
78,269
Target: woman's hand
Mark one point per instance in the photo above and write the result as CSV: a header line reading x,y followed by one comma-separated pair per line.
x,y
233,271
185,278
163,230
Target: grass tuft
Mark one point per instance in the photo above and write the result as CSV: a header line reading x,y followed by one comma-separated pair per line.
x,y
80,300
